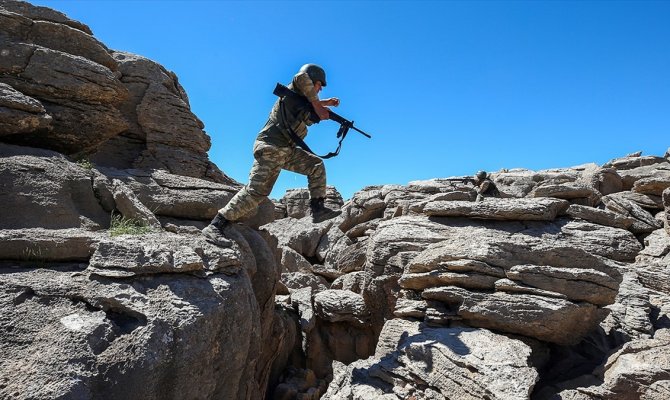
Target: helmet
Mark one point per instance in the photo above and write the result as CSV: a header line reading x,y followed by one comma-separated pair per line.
x,y
315,72
481,174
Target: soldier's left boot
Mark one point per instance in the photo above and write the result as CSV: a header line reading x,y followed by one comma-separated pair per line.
x,y
320,212
214,231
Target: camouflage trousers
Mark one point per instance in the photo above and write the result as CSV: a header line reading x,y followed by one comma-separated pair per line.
x,y
269,160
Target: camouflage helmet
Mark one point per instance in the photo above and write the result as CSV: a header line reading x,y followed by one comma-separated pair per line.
x,y
315,72
481,174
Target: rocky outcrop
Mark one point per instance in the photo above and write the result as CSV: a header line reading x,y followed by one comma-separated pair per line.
x,y
556,289
62,89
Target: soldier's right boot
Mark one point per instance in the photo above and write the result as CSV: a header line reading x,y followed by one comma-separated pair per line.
x,y
214,231
320,212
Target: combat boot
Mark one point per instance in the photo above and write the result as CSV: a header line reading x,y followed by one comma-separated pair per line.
x,y
214,231
320,212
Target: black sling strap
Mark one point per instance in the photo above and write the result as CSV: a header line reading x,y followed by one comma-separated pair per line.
x,y
342,133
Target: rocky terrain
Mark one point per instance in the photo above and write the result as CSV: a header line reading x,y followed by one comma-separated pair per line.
x,y
559,289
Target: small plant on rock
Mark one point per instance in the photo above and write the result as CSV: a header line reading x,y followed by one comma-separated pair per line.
x,y
85,163
121,225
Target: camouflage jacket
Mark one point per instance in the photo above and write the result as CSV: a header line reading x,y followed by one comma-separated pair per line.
x,y
274,131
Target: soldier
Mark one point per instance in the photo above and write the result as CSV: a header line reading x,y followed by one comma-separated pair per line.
x,y
485,186
274,150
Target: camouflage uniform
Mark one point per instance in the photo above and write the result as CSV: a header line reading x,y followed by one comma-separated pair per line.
x,y
274,151
487,189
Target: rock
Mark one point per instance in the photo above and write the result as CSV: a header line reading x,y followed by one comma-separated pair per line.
x,y
658,168
415,360
299,280
633,161
39,245
86,337
353,281
653,185
42,189
577,284
648,201
301,235
133,255
644,222
604,180
296,201
131,208
541,209
666,206
568,190
340,305
79,94
20,113
598,216
363,206
544,318
42,13
292,261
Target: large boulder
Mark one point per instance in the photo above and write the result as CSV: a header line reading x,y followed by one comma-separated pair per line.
x,y
417,361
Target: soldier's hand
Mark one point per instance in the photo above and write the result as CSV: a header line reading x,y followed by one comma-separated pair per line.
x,y
333,102
320,110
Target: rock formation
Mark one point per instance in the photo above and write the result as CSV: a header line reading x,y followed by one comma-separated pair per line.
x,y
556,290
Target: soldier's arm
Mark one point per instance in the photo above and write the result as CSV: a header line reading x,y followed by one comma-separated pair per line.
x,y
484,186
303,84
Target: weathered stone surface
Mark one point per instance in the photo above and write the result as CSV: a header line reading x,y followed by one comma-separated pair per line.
x,y
78,93
296,201
648,201
292,261
633,161
644,222
130,206
340,305
301,235
353,281
545,318
132,255
413,360
20,113
363,206
576,284
653,185
541,209
85,338
666,206
568,190
42,13
659,168
178,196
42,189
41,245
598,216
604,180
299,280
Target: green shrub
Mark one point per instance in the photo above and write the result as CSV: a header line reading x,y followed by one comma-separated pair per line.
x,y
121,225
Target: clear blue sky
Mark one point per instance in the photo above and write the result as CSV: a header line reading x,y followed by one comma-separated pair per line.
x,y
445,88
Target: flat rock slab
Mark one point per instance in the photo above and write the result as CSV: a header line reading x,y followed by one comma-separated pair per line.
x,y
455,363
527,209
47,245
545,318
125,256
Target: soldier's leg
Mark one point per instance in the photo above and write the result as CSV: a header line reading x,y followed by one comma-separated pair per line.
x,y
268,162
308,164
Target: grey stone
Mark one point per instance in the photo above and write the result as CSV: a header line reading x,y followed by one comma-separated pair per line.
x,y
413,360
598,216
352,281
541,209
545,318
644,222
301,235
296,201
299,280
340,305
20,113
39,245
131,208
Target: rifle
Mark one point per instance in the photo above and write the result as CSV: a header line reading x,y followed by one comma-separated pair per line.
x,y
345,124
464,180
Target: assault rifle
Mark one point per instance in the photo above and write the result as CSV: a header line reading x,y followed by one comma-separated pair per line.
x,y
283,91
463,180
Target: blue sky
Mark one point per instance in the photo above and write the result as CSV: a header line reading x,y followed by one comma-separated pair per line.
x,y
445,88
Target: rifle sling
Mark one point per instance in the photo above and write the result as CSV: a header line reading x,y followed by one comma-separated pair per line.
x,y
301,143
